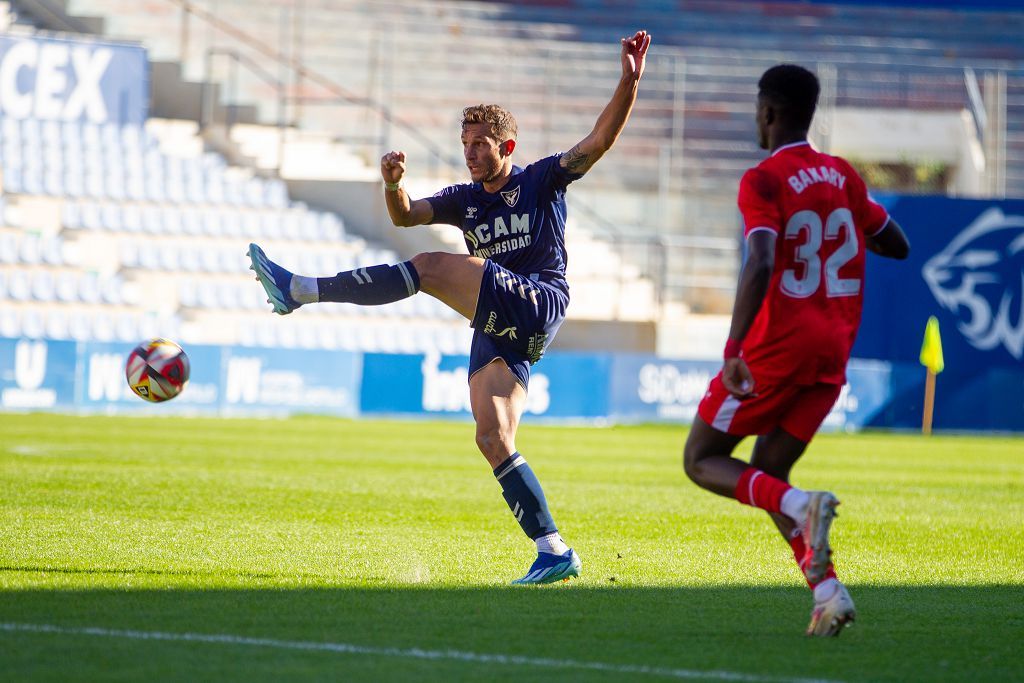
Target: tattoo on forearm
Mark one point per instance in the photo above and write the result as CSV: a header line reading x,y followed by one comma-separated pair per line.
x,y
576,161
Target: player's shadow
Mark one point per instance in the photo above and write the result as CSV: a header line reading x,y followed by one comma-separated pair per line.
x,y
423,633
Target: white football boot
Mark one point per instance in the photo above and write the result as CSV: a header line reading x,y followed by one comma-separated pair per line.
x,y
821,510
832,613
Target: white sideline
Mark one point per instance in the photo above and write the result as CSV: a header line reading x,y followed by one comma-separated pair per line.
x,y
412,653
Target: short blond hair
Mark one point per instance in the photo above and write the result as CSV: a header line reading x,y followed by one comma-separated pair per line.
x,y
502,123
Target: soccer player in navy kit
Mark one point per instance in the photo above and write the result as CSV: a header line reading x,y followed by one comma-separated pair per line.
x,y
511,286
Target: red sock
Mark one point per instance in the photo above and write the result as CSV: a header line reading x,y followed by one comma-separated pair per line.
x,y
760,490
800,554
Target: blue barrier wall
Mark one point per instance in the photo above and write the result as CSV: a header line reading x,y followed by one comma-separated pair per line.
x,y
966,267
52,79
89,377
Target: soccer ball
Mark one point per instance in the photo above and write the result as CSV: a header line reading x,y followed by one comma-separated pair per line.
x,y
157,370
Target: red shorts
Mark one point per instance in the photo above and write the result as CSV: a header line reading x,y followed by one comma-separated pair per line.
x,y
798,409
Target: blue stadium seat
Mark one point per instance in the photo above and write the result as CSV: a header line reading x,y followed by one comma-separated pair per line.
x,y
43,286
111,217
171,219
52,249
126,328
152,220
89,288
66,287
10,323
131,218
19,287
80,326
33,325
187,293
103,327
53,184
12,180
169,258
56,326
29,251
251,224
8,248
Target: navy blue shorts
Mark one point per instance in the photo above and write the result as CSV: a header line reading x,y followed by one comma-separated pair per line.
x,y
516,318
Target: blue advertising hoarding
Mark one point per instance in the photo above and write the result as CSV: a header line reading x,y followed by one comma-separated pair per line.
x,y
281,381
89,376
37,374
103,385
966,267
57,79
562,386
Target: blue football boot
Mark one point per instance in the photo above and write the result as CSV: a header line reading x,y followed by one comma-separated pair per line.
x,y
548,568
275,280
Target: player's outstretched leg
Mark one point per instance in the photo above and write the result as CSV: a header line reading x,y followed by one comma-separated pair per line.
x,y
370,286
833,609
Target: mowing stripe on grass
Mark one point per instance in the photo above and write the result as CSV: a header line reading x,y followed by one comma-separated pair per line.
x,y
412,653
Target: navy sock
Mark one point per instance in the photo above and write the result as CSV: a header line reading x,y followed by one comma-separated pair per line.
x,y
371,286
522,492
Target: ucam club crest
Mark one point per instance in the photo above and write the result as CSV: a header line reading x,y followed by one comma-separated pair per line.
x,y
979,277
511,196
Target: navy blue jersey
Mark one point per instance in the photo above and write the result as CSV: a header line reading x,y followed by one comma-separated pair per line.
x,y
521,227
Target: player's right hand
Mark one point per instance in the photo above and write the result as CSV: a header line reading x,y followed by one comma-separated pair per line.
x,y
392,166
736,378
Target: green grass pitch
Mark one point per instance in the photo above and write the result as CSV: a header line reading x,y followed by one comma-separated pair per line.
x,y
172,549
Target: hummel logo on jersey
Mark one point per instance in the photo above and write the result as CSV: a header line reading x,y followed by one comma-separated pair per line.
x,y
471,212
511,197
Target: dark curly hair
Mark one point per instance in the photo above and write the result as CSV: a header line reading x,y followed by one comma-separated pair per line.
x,y
793,91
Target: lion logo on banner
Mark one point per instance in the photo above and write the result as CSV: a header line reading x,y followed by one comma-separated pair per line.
x,y
979,277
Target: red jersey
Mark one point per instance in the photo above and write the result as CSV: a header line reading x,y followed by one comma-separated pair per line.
x,y
820,211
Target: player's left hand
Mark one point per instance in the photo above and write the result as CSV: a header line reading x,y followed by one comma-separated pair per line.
x,y
634,54
736,378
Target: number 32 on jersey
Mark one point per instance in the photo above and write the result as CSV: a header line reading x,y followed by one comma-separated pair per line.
x,y
807,226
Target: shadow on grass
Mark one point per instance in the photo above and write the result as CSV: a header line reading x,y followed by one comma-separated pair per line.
x,y
729,633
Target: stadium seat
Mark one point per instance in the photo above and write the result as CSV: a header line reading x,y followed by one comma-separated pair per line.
x,y
103,328
33,324
111,217
91,216
43,286
66,287
8,248
56,325
126,328
10,323
89,288
80,326
19,286
52,251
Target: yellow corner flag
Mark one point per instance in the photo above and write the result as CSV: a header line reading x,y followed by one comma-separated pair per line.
x,y
931,349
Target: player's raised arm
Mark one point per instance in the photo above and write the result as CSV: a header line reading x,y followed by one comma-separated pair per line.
x,y
404,212
612,120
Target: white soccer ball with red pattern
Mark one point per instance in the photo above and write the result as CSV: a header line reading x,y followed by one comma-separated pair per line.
x,y
157,370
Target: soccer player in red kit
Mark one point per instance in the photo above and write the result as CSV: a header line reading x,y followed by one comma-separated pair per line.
x,y
807,221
